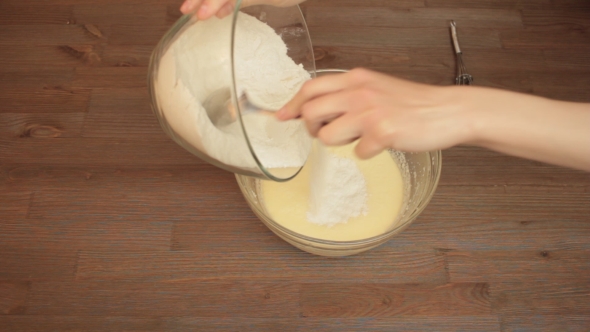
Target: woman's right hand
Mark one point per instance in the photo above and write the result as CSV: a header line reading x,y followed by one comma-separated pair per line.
x,y
387,112
205,9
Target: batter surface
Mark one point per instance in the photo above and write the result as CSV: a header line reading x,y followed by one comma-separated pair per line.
x,y
287,203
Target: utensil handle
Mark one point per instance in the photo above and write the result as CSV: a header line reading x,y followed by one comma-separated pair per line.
x,y
455,39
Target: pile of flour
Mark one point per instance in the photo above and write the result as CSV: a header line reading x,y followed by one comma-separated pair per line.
x,y
198,64
338,190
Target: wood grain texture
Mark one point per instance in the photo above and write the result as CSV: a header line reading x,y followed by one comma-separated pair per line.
x,y
413,17
570,4
367,3
35,74
85,234
50,34
494,4
183,298
19,13
475,222
95,152
107,225
545,38
41,125
127,55
572,323
524,266
35,265
37,323
129,201
561,17
494,169
282,263
552,298
15,204
369,300
62,177
110,77
364,36
348,57
13,296
123,113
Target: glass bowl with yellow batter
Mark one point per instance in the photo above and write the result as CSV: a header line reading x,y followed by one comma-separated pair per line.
x,y
399,185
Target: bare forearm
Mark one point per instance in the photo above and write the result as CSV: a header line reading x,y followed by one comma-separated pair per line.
x,y
541,129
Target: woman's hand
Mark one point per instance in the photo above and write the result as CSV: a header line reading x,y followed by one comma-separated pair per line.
x,y
383,111
205,9
386,112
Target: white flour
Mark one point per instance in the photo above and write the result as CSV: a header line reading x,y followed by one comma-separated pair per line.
x,y
264,69
338,190
198,63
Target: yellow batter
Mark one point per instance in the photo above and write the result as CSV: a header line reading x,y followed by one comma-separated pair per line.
x,y
287,203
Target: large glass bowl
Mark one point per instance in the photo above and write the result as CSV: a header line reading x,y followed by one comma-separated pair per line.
x,y
213,71
420,172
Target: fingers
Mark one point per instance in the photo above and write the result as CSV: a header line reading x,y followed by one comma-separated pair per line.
x,y
227,9
313,89
189,6
342,130
209,8
368,147
222,8
277,3
347,129
326,108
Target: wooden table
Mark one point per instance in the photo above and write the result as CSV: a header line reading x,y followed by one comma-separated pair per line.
x,y
107,225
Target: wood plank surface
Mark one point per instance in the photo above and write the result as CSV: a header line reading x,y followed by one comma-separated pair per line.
x,y
36,264
107,225
368,300
41,125
495,4
530,299
36,323
201,299
546,323
15,204
13,296
525,266
284,263
414,17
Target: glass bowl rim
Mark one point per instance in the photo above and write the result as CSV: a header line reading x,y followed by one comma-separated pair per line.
x,y
234,89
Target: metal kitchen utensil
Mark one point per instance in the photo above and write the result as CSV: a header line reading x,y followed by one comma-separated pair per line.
x,y
462,77
221,110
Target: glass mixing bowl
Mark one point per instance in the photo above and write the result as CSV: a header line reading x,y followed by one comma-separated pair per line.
x,y
420,171
195,63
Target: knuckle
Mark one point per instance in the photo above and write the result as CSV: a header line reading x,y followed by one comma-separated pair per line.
x,y
384,132
360,74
